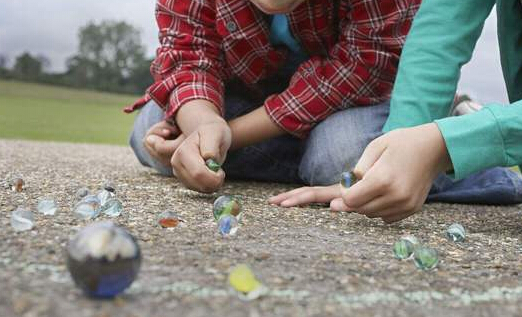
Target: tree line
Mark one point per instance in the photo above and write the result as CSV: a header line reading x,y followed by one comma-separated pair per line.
x,y
110,57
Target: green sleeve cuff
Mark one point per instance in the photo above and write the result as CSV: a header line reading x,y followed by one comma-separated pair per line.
x,y
474,142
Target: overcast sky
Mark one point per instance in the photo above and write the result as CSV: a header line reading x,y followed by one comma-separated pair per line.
x,y
50,28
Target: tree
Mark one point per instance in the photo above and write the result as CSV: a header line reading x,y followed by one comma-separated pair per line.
x,y
108,55
27,67
4,72
3,61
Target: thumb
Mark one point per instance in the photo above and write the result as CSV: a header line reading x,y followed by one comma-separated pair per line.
x,y
209,145
370,155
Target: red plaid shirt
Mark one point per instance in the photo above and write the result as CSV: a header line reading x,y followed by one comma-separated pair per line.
x,y
354,53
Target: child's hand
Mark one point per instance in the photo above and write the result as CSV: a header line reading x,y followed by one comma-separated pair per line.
x,y
209,140
307,195
397,171
162,140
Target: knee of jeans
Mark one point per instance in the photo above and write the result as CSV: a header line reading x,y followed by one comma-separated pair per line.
x,y
136,144
325,166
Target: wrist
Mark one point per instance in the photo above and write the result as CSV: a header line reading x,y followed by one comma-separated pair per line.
x,y
196,113
442,157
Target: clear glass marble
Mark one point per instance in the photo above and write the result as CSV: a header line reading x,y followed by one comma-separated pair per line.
x,y
87,208
22,219
456,233
47,206
112,207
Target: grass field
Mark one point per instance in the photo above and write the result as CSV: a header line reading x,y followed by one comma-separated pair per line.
x,y
41,112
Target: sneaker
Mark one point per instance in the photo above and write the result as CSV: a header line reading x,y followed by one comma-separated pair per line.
x,y
464,105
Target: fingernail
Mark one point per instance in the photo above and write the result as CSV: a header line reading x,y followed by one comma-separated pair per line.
x,y
166,131
150,140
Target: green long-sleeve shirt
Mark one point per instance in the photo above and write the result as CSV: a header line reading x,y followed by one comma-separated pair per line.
x,y
442,39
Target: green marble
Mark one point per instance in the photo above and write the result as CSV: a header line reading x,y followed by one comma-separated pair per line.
x,y
226,205
403,249
213,165
425,258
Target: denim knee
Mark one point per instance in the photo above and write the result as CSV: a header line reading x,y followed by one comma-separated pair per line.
x,y
337,143
147,117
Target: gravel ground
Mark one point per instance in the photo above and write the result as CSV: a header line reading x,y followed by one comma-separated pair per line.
x,y
315,262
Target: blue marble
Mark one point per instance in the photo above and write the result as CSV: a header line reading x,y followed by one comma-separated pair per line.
x,y
228,225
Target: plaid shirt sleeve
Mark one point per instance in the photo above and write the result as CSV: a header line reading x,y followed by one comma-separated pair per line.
x,y
359,70
187,62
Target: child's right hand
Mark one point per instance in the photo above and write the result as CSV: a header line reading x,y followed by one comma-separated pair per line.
x,y
209,140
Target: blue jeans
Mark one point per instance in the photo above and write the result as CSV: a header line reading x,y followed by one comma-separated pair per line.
x,y
333,145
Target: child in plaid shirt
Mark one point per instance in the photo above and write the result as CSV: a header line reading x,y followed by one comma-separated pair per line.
x,y
286,91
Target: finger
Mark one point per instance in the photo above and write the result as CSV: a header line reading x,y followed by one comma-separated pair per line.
x,y
284,196
338,205
210,145
380,206
192,171
364,191
370,155
312,195
163,129
168,147
397,217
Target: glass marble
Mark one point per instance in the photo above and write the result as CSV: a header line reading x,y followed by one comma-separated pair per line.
x,y
425,258
348,179
243,280
22,219
82,192
228,225
213,165
169,219
17,184
104,196
112,207
456,233
47,206
403,249
103,259
226,205
87,208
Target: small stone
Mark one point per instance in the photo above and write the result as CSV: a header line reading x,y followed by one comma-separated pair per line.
x,y
87,208
213,165
425,258
17,185
456,233
226,205
47,207
245,282
169,219
348,179
228,225
81,193
103,259
104,196
22,219
109,186
112,208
